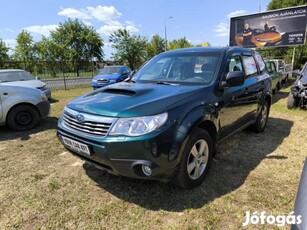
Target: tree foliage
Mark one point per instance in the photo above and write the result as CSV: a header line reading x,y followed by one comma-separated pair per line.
x,y
155,46
278,4
24,48
3,52
179,43
130,48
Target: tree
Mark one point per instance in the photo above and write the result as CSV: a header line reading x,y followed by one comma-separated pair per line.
x,y
24,48
155,46
24,51
131,48
179,43
77,42
3,52
278,4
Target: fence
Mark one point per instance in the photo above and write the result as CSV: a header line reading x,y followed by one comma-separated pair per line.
x,y
58,74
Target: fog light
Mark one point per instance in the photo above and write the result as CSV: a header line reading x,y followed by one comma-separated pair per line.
x,y
146,170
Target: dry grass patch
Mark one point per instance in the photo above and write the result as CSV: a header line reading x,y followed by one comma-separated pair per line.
x,y
43,186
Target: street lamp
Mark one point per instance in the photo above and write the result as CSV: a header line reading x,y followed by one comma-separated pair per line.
x,y
165,34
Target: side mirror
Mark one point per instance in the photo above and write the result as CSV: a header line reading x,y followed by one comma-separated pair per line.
x,y
235,78
37,78
296,72
130,75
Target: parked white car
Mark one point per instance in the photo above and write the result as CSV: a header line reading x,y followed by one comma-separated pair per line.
x,y
22,107
285,69
18,77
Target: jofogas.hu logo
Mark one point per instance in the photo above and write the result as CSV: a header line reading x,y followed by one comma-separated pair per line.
x,y
263,218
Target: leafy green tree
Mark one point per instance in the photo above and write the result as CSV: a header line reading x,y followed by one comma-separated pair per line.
x,y
155,46
278,4
77,42
130,48
24,51
3,52
179,43
24,48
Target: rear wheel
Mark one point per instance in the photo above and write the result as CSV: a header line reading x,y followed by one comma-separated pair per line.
x,y
195,161
292,102
23,117
262,118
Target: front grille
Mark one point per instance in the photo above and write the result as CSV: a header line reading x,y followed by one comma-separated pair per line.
x,y
91,124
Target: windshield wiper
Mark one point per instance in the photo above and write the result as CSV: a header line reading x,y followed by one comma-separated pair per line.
x,y
165,83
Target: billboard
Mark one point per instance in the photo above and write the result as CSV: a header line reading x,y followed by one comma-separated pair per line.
x,y
283,27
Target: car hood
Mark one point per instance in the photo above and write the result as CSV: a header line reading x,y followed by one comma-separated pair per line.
x,y
29,83
107,76
134,99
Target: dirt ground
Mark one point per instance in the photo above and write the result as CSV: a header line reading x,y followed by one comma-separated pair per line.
x,y
42,186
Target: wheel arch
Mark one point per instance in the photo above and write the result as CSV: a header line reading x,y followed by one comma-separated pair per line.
x,y
20,104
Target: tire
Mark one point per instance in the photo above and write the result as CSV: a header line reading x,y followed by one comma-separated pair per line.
x,y
262,118
292,102
195,160
23,117
278,87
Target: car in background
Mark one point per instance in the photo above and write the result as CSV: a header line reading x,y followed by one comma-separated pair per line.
x,y
275,76
283,68
109,75
166,122
22,107
298,94
261,38
18,77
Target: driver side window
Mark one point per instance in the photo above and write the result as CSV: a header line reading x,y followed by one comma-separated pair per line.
x,y
234,64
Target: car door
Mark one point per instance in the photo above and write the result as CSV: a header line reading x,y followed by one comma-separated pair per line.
x,y
234,103
1,109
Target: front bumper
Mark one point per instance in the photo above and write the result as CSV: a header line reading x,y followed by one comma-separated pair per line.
x,y
126,156
43,108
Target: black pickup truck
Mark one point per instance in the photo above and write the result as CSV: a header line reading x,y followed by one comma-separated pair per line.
x,y
166,122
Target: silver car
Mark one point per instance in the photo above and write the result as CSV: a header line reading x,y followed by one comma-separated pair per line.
x,y
18,77
22,107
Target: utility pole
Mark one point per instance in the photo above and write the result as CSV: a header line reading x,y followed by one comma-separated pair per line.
x,y
165,33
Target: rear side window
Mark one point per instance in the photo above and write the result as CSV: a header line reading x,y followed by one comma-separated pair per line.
x,y
250,66
260,62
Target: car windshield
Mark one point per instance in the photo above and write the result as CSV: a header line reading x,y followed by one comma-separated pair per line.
x,y
15,76
109,70
197,68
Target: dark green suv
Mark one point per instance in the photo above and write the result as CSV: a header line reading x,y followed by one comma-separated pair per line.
x,y
166,122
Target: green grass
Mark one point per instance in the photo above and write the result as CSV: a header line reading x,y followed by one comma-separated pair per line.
x,y
44,186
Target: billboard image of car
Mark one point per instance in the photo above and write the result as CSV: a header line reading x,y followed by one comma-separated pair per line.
x,y
272,28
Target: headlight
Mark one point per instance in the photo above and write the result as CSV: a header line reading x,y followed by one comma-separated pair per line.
x,y
137,126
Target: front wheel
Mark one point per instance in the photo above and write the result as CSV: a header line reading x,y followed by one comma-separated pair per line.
x,y
23,117
292,102
195,160
262,118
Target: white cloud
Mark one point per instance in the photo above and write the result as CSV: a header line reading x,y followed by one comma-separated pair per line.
x,y
43,30
236,13
11,43
103,13
222,30
112,26
106,14
87,23
74,13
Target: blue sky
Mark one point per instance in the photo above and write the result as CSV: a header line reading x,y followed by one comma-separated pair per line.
x,y
197,20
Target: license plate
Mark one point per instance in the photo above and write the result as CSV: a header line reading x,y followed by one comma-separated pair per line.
x,y
76,145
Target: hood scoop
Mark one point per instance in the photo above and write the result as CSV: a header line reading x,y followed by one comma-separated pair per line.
x,y
120,92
